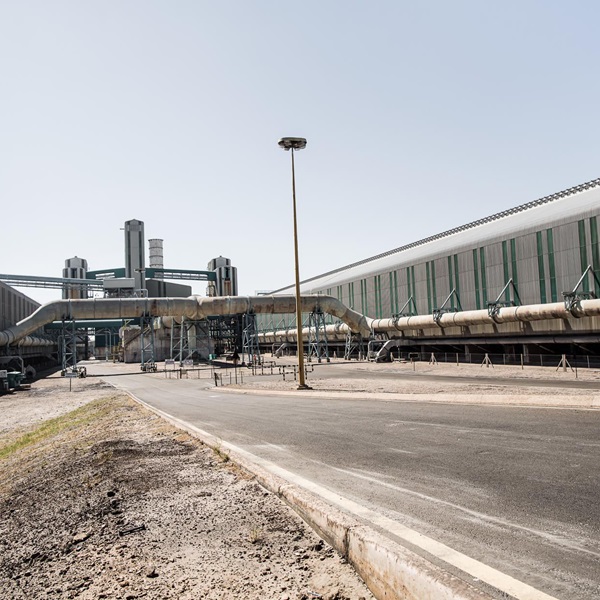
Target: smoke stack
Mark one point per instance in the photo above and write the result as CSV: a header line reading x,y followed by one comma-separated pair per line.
x,y
156,255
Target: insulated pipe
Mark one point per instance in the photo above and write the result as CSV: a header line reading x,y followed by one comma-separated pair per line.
x,y
194,307
34,341
508,314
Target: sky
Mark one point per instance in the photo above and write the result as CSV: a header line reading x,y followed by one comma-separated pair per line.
x,y
419,116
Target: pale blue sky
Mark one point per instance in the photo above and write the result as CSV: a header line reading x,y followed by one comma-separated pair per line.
x,y
420,116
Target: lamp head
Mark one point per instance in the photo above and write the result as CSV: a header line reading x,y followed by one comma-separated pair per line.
x,y
292,143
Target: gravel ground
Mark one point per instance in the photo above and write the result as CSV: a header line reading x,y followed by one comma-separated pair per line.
x,y
398,378
102,499
109,501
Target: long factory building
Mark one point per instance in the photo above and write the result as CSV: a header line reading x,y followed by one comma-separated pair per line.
x,y
545,251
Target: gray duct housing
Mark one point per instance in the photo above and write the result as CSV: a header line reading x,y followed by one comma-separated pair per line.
x,y
194,307
197,307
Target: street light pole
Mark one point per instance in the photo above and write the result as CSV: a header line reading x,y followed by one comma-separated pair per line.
x,y
290,143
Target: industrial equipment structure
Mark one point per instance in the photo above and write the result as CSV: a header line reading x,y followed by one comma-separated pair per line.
x,y
38,352
520,282
137,339
541,254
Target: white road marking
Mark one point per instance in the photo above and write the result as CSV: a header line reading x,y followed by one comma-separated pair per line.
x,y
476,569
268,446
556,539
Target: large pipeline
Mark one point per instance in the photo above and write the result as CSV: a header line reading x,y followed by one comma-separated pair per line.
x,y
508,314
194,307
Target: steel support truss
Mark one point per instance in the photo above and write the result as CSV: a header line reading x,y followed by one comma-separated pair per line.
x,y
185,345
250,347
67,344
225,333
411,312
148,363
317,336
355,343
68,347
573,298
494,307
438,312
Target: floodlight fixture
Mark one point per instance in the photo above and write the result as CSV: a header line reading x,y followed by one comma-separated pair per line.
x,y
292,143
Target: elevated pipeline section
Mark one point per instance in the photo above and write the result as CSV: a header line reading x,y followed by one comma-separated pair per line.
x,y
194,307
457,320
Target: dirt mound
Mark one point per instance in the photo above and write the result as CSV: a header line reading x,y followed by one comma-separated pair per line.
x,y
108,501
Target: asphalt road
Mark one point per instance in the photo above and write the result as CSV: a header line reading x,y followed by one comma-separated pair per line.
x,y
515,488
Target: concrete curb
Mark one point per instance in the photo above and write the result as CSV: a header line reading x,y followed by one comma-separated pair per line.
x,y
588,401
391,571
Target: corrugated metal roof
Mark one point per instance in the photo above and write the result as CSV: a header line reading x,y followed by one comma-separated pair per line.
x,y
566,204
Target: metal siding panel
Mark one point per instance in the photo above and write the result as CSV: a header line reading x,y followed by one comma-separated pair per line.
x,y
402,287
526,246
566,237
370,298
493,256
385,295
420,291
495,281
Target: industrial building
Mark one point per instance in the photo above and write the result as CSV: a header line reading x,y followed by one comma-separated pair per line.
x,y
524,282
542,252
14,307
140,339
